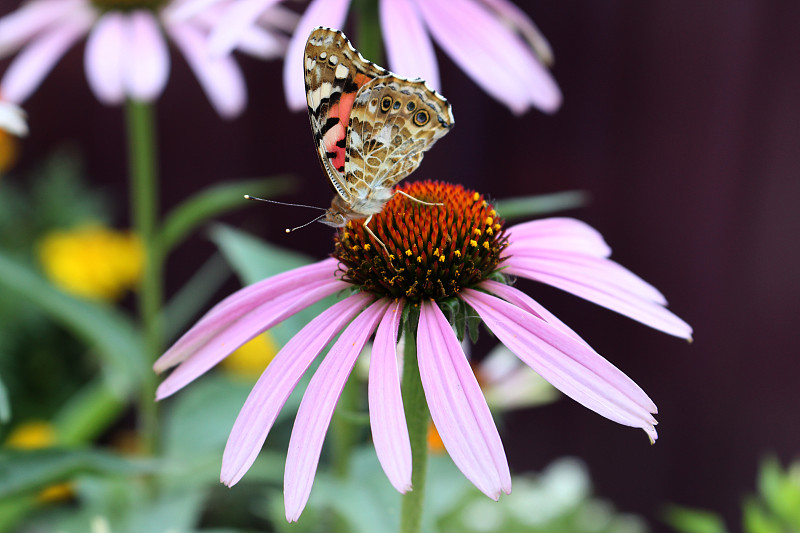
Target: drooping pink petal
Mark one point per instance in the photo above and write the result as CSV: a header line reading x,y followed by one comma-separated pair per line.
x,y
242,330
220,77
386,416
182,10
569,365
585,269
22,25
104,58
409,49
317,406
491,54
519,20
329,13
262,44
37,59
603,287
146,66
276,384
522,300
234,23
457,406
243,302
559,233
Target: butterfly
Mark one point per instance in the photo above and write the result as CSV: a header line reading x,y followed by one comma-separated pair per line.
x,y
371,127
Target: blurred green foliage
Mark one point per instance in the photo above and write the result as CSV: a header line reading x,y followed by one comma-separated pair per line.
x,y
774,509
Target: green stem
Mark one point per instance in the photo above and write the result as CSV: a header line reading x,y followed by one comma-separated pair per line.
x,y
369,42
144,211
416,410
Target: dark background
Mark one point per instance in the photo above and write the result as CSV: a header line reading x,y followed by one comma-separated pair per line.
x,y
681,118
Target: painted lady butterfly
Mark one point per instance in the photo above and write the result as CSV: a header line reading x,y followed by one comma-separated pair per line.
x,y
371,127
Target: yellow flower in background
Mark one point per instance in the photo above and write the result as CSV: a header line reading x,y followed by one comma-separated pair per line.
x,y
34,435
8,151
92,261
251,358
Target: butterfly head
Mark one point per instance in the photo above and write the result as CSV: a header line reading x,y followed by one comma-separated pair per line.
x,y
339,213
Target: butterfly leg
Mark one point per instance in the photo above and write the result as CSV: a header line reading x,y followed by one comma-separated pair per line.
x,y
375,236
417,199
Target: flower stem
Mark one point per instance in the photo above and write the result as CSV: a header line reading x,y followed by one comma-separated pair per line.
x,y
416,410
144,211
369,30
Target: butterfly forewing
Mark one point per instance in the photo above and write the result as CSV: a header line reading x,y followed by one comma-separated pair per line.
x,y
370,126
334,72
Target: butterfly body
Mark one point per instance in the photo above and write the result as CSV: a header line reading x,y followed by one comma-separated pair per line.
x,y
371,127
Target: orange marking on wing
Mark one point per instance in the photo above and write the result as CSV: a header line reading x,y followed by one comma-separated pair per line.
x,y
341,111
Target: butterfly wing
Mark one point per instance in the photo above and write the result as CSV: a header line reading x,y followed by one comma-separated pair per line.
x,y
392,123
334,73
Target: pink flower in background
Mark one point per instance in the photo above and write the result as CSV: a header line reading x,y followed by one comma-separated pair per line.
x,y
493,41
454,255
126,53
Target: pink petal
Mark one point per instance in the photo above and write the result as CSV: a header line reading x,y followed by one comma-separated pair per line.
x,y
104,58
386,415
329,13
603,286
523,301
241,303
262,44
408,47
220,77
519,20
569,365
317,406
146,66
276,384
22,25
210,349
241,331
559,234
234,23
457,406
585,269
37,59
491,54
179,11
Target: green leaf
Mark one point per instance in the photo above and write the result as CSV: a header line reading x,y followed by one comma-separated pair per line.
x,y
252,258
529,206
104,328
757,520
195,294
688,520
23,471
780,492
212,202
5,405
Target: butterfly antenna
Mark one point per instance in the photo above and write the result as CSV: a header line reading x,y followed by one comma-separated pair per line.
x,y
248,197
289,230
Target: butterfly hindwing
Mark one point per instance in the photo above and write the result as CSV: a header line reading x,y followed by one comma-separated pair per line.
x,y
392,123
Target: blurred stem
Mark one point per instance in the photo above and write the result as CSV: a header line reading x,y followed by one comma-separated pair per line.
x,y
369,43
416,410
144,209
